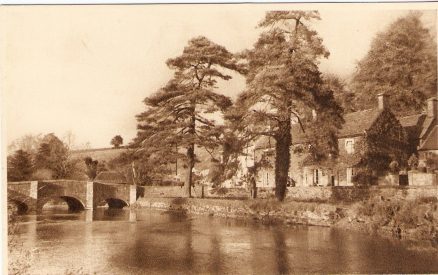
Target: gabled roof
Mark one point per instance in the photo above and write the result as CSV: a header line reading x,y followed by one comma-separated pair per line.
x,y
356,123
427,126
431,141
412,120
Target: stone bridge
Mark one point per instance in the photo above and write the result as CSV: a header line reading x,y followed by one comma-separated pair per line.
x,y
79,195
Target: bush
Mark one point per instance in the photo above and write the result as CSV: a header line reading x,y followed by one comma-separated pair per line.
x,y
413,162
364,177
421,215
43,174
431,163
394,167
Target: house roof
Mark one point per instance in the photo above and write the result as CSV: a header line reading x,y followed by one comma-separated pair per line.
x,y
431,141
427,126
358,122
411,121
111,177
355,124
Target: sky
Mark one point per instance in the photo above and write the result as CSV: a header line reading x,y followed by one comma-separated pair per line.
x,y
87,69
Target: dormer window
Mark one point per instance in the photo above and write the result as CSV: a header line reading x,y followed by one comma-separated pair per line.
x,y
349,146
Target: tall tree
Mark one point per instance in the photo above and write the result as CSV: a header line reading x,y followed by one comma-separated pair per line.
x,y
402,62
284,84
181,114
20,166
53,154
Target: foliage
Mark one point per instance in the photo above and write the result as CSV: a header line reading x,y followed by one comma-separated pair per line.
x,y
53,154
420,214
27,143
402,64
117,141
180,114
284,84
364,176
94,167
385,141
413,162
394,167
431,163
382,143
140,168
42,174
343,96
20,166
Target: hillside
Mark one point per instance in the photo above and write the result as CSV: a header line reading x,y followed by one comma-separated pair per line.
x,y
100,154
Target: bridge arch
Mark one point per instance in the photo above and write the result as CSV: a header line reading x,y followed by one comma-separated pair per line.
x,y
74,203
114,203
20,205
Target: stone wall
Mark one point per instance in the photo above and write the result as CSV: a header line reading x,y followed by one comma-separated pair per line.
x,y
422,179
197,192
351,193
264,210
302,193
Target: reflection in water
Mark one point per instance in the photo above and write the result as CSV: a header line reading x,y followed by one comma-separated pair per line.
x,y
281,252
120,241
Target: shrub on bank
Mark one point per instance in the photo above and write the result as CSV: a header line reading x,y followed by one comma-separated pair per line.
x,y
418,218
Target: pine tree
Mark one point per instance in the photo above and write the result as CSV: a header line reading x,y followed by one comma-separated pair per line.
x,y
285,84
182,113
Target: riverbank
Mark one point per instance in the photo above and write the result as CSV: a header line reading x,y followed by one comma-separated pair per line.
x,y
414,221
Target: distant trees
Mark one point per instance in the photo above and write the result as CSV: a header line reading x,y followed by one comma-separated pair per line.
x,y
27,143
53,154
46,160
402,63
117,141
20,166
284,84
180,114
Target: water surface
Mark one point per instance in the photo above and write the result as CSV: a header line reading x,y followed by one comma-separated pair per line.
x,y
107,241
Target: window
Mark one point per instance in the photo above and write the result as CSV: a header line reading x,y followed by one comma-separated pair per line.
x,y
350,174
316,180
349,146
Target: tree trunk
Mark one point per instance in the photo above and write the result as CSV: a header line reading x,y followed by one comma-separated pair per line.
x,y
282,160
190,158
189,176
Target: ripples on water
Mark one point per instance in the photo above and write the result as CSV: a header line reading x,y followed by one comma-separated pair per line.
x,y
110,241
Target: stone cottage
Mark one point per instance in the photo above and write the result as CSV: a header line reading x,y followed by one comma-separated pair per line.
x,y
360,128
422,130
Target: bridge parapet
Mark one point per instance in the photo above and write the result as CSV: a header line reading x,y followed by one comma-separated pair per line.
x,y
32,195
115,195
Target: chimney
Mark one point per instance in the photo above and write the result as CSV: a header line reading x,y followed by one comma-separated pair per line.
x,y
432,107
382,101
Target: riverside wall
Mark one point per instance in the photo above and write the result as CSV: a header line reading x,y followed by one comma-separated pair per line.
x,y
408,213
305,194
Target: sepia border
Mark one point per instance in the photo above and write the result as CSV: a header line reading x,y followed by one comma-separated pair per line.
x,y
278,5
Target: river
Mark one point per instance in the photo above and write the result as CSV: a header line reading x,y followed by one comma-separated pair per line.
x,y
143,241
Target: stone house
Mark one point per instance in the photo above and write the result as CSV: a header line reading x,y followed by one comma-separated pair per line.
x,y
422,130
361,127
